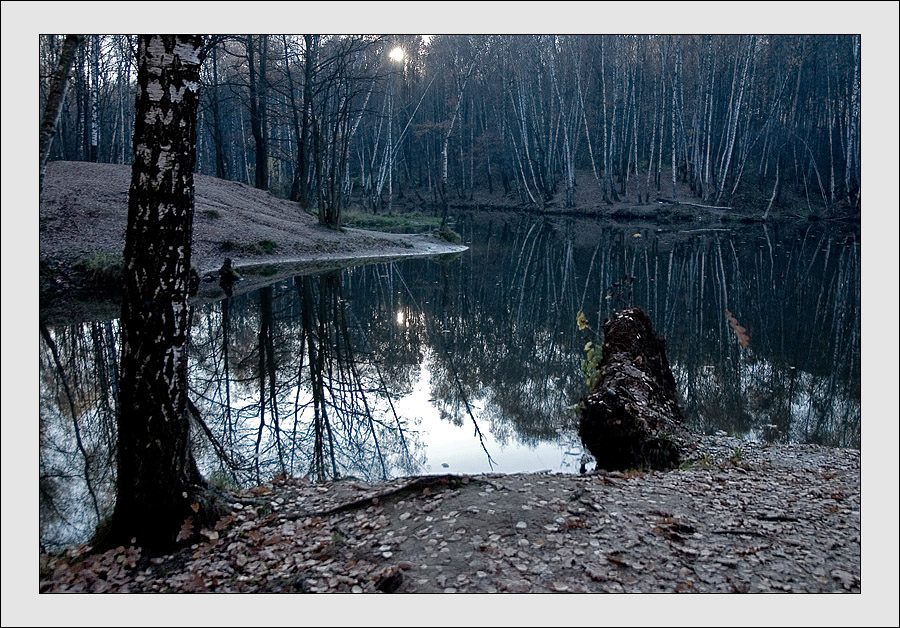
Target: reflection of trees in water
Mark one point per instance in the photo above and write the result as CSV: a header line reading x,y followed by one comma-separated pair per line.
x,y
305,399
280,382
496,340
504,332
78,374
799,299
797,292
301,376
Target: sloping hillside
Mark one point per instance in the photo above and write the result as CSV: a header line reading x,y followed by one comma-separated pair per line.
x,y
84,209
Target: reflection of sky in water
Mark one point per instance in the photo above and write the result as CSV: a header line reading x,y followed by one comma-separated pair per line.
x,y
459,447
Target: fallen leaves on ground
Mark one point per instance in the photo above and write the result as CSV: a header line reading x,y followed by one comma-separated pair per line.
x,y
789,523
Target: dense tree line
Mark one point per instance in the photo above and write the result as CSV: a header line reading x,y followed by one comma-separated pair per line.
x,y
736,119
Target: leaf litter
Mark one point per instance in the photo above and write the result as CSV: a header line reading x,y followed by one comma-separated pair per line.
x,y
784,518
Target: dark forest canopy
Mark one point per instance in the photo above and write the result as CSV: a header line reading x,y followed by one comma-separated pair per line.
x,y
733,119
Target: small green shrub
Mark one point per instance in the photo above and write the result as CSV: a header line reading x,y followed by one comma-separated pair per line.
x,y
267,246
593,353
222,480
448,234
102,269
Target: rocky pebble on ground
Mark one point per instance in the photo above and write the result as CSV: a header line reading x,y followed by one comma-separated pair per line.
x,y
740,517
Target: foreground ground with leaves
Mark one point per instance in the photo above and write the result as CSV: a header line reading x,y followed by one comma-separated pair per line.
x,y
741,517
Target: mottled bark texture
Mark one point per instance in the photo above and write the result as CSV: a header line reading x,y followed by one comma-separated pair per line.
x,y
631,418
157,480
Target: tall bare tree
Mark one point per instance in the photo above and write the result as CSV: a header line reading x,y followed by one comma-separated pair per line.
x,y
258,108
158,481
58,88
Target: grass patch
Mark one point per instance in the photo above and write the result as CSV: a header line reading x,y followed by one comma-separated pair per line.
x,y
267,246
703,461
413,222
103,269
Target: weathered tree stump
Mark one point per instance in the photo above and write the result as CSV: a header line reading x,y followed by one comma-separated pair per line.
x,y
631,418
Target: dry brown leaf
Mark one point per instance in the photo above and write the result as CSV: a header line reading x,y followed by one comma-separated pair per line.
x,y
187,529
740,331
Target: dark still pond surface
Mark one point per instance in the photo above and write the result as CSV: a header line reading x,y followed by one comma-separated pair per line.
x,y
474,364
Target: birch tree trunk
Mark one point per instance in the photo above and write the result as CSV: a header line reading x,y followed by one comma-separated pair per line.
x,y
732,133
309,64
652,147
587,131
850,163
158,481
709,125
774,190
221,163
446,139
674,105
58,87
95,95
568,150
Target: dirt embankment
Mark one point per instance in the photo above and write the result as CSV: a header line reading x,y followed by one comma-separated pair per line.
x,y
84,211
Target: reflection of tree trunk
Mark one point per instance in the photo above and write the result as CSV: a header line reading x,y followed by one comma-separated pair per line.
x,y
228,434
262,386
71,400
269,340
344,421
304,330
329,285
316,369
266,349
341,321
104,375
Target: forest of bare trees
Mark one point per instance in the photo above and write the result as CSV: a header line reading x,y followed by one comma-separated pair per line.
x,y
745,121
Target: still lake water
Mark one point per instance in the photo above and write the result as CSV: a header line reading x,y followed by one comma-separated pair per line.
x,y
473,364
